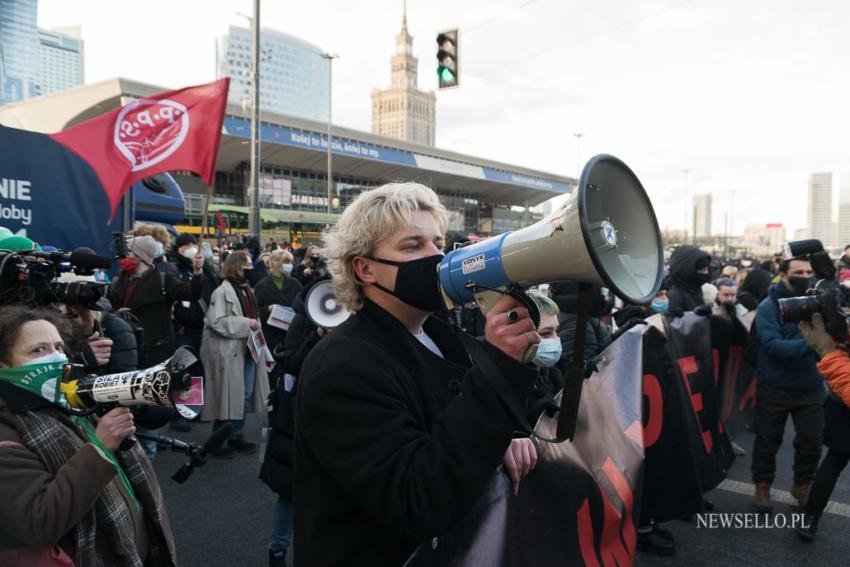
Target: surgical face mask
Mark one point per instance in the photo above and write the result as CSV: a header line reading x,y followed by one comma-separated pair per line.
x,y
659,305
548,353
800,285
55,357
158,250
287,269
416,283
190,252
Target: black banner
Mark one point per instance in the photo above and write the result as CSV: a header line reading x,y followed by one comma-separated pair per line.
x,y
650,439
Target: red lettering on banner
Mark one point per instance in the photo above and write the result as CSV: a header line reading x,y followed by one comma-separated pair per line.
x,y
585,535
619,537
624,491
655,410
688,366
749,395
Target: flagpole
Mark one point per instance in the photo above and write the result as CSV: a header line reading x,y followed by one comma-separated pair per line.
x,y
205,220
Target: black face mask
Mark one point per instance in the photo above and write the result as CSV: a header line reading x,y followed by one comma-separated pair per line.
x,y
703,277
416,283
800,285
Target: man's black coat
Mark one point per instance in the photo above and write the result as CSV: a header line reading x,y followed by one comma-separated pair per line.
x,y
393,444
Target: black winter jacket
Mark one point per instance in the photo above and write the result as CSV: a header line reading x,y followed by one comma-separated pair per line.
x,y
151,302
190,319
301,337
267,293
393,444
686,291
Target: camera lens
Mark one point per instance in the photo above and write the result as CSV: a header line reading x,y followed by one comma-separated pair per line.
x,y
796,309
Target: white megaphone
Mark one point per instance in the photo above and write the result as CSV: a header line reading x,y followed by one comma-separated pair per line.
x,y
605,233
153,386
322,306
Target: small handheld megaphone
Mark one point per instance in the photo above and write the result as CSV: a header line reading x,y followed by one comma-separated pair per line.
x,y
150,386
605,233
323,308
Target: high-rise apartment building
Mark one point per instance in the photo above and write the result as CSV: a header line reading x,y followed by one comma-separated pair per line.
x,y
819,220
294,77
702,216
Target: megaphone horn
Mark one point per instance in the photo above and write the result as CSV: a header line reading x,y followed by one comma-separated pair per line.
x,y
606,233
323,308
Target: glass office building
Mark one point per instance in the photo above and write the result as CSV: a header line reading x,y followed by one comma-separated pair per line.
x,y
35,62
61,58
293,74
19,63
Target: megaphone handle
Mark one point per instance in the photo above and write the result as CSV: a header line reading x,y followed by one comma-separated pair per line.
x,y
127,443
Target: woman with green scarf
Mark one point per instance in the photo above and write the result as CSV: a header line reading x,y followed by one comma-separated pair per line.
x,y
70,497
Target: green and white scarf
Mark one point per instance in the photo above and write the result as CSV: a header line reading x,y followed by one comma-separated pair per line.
x,y
43,379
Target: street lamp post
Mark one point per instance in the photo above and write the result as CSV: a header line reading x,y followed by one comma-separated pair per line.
x,y
254,225
330,57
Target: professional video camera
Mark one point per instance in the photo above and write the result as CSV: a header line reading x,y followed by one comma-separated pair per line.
x,y
826,297
28,277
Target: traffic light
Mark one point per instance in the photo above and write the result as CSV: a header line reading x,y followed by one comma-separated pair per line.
x,y
448,69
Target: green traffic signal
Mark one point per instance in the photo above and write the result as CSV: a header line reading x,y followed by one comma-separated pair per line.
x,y
447,59
446,75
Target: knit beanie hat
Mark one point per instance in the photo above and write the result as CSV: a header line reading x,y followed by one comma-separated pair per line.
x,y
185,238
143,248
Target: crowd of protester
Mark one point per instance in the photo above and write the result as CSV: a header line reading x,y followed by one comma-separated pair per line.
x,y
70,494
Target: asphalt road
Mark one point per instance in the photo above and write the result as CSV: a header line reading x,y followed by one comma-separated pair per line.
x,y
221,516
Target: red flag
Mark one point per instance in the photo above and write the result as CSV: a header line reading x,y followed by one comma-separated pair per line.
x,y
174,130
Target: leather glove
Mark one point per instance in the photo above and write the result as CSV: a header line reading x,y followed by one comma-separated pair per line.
x,y
816,335
703,310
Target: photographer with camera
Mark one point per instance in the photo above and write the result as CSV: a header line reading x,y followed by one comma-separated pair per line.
x,y
69,496
788,383
834,366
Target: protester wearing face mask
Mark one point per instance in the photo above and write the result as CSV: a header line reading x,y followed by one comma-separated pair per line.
x,y
235,383
310,269
147,297
597,335
401,422
276,289
163,242
69,496
788,383
549,380
189,314
689,270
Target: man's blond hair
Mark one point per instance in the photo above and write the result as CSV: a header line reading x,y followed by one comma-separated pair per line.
x,y
366,223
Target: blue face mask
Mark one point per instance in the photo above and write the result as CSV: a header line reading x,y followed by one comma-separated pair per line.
x,y
548,353
659,305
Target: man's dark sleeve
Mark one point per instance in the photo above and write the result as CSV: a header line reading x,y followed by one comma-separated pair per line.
x,y
177,290
357,419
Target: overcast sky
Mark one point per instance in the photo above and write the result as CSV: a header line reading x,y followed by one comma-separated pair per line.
x,y
749,96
